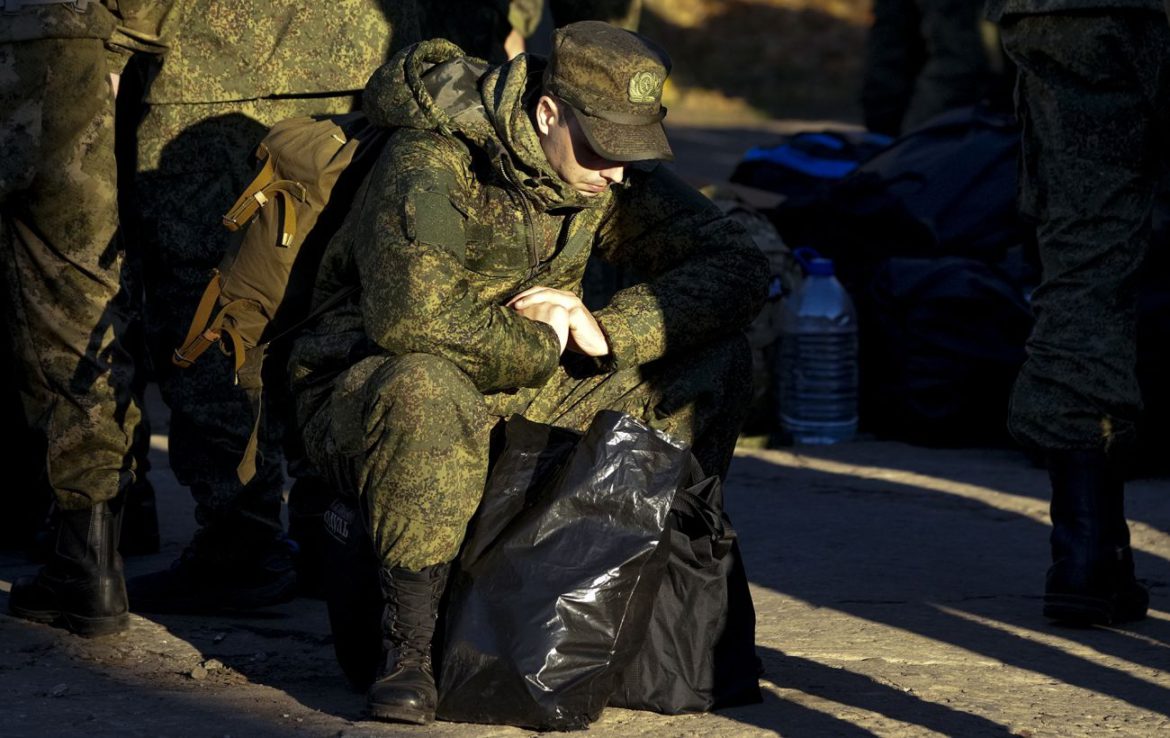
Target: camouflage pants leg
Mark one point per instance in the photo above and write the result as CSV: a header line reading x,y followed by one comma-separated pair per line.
x,y
412,434
194,160
61,263
1094,100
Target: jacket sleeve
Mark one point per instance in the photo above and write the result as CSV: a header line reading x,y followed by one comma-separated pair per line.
x,y
704,275
417,296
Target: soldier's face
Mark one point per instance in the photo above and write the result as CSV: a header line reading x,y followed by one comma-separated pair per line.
x,y
568,152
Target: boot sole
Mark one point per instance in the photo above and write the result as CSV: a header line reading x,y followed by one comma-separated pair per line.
x,y
399,714
82,625
1085,611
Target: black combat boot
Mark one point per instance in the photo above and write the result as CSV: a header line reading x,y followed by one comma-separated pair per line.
x,y
1091,580
80,588
222,570
405,690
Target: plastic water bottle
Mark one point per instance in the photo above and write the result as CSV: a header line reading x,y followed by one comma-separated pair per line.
x,y
818,357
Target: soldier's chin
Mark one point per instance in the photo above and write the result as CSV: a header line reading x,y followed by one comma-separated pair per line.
x,y
591,190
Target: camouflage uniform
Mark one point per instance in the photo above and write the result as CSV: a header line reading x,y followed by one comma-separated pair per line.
x,y
58,229
232,69
1095,104
398,389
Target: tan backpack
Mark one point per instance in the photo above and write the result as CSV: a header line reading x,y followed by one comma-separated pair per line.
x,y
310,169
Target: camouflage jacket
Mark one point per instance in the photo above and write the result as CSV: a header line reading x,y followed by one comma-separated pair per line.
x,y
227,50
462,211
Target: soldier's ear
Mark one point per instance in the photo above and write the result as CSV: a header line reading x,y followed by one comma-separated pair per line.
x,y
548,115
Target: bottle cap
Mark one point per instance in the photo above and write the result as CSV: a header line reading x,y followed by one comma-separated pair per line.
x,y
813,263
820,267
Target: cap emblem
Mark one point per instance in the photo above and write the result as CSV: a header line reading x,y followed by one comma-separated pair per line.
x,y
645,87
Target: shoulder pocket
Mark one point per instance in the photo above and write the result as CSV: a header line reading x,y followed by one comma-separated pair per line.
x,y
437,222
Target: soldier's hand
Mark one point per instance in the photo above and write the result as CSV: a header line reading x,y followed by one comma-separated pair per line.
x,y
585,336
550,314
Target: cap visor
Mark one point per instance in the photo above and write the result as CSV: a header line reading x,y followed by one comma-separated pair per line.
x,y
625,143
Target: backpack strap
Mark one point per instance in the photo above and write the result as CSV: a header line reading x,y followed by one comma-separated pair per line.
x,y
200,336
246,204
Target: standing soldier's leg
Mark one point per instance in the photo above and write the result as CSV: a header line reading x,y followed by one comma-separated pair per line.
x,y
194,162
1093,101
61,269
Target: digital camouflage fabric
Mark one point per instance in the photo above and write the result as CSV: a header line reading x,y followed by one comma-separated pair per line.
x,y
231,71
1095,102
221,50
61,263
398,389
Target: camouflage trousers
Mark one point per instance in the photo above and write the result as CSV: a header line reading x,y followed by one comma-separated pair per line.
x,y
62,306
413,437
194,160
1094,100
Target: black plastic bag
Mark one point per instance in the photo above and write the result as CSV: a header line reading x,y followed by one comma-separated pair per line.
x,y
557,578
700,649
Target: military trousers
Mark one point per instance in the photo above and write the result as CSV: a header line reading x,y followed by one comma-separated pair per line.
x,y
413,437
61,265
194,160
1094,101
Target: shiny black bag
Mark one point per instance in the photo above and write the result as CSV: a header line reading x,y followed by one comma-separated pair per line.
x,y
557,578
699,652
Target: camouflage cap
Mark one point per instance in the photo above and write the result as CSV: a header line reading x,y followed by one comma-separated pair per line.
x,y
613,79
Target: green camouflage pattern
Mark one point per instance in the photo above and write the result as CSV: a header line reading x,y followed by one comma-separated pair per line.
x,y
461,212
1095,105
194,160
224,50
411,433
58,230
209,106
33,23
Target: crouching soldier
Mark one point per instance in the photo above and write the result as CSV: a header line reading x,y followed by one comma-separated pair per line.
x,y
467,245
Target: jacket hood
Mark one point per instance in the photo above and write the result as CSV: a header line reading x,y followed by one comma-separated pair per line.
x,y
435,86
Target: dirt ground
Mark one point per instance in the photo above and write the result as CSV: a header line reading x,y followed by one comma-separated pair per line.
x,y
896,588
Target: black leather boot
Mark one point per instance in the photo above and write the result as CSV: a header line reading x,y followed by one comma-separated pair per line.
x,y
405,690
81,587
1091,580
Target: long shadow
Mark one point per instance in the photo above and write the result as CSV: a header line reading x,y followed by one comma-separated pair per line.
x,y
70,697
982,550
849,688
947,466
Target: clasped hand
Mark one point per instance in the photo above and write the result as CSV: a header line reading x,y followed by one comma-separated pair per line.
x,y
575,326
